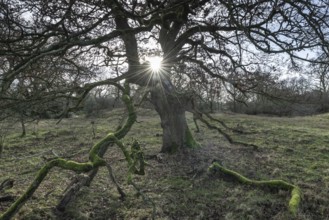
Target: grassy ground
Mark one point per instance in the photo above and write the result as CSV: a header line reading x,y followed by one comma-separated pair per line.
x,y
293,149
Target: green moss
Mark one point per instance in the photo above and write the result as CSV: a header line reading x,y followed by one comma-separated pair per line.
x,y
72,165
124,151
137,156
131,117
190,141
94,159
93,154
62,163
295,191
295,200
288,157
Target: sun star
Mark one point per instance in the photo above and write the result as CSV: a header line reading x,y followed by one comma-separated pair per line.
x,y
155,63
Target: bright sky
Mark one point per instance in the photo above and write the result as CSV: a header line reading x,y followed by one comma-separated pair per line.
x,y
155,63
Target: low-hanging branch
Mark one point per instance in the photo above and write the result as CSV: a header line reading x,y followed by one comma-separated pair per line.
x,y
94,159
223,123
277,184
228,137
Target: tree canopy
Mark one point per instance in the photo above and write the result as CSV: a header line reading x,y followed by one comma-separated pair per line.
x,y
63,49
217,37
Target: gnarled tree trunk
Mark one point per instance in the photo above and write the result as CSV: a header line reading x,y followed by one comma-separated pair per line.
x,y
171,109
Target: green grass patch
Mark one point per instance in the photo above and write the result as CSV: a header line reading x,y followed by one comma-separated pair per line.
x,y
293,149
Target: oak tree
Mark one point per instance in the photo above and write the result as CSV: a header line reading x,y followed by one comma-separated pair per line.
x,y
196,40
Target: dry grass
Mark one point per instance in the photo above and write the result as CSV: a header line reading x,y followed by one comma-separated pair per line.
x,y
292,149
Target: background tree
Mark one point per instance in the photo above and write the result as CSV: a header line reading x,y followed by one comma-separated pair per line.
x,y
320,75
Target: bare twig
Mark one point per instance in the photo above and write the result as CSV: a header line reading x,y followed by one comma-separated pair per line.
x,y
112,177
228,137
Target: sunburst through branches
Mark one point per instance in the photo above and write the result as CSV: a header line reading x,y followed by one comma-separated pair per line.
x,y
155,63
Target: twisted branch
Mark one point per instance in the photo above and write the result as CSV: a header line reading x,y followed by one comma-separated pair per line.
x,y
94,160
278,184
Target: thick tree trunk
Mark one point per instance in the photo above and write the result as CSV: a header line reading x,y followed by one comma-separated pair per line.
x,y
176,133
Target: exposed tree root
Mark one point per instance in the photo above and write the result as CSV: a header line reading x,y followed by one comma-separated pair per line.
x,y
278,184
94,160
112,177
228,137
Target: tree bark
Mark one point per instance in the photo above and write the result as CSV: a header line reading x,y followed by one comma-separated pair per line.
x,y
171,109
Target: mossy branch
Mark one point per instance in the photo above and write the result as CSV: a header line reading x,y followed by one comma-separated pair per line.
x,y
137,156
133,158
75,187
278,184
64,164
94,159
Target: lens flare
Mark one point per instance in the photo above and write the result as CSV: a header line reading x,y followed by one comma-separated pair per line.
x,y
155,63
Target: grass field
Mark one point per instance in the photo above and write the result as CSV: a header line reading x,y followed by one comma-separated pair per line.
x,y
292,149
